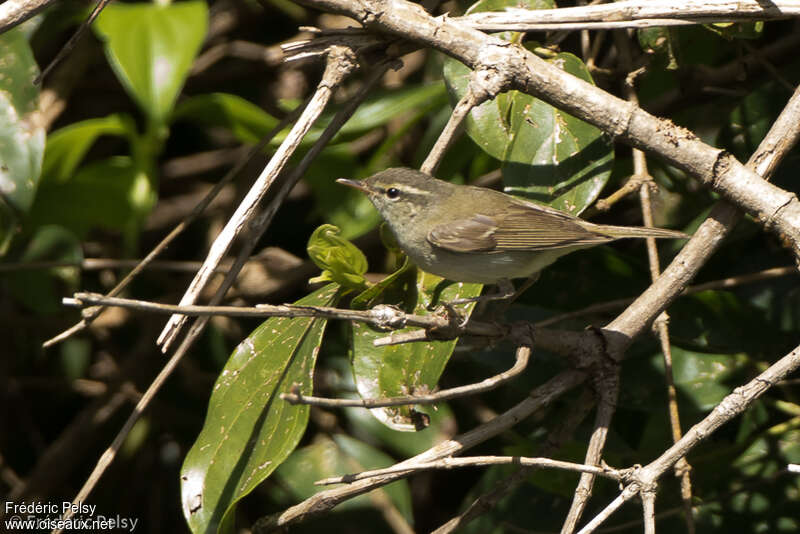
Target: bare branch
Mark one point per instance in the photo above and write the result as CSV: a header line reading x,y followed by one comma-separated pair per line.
x,y
631,14
199,325
14,12
247,211
775,208
175,232
479,461
523,355
730,407
325,500
555,439
606,384
483,85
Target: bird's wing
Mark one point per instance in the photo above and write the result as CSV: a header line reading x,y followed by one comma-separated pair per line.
x,y
475,234
523,226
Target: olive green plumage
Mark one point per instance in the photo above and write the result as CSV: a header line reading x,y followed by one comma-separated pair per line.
x,y
473,234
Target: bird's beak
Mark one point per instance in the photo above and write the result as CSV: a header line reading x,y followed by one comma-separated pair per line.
x,y
355,184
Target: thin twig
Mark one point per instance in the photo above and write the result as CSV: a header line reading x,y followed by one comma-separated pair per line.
x,y
555,439
380,316
87,319
479,461
633,185
451,129
631,14
14,12
724,283
661,324
606,384
70,44
327,499
522,356
730,407
649,511
194,331
342,62
99,264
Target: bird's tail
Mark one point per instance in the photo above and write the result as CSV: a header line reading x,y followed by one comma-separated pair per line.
x,y
621,232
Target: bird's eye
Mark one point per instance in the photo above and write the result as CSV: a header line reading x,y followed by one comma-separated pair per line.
x,y
393,193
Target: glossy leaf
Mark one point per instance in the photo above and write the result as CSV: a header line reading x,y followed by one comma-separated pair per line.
x,y
112,194
335,457
410,367
548,155
248,122
67,147
249,430
553,157
442,426
369,295
340,260
151,48
22,134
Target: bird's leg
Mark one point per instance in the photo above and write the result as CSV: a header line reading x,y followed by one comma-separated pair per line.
x,y
532,279
505,290
503,306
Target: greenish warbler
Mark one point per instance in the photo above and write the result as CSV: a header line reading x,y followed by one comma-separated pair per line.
x,y
473,234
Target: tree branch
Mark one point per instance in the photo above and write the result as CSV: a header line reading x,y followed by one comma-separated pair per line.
x,y
479,461
342,63
631,14
522,356
325,500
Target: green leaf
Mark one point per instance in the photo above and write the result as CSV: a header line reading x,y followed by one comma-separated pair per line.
x,y
659,42
384,106
248,122
335,457
410,367
151,48
369,295
553,157
111,194
737,30
41,289
547,155
340,260
404,444
67,147
344,207
750,120
719,321
702,377
249,430
22,135
379,109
